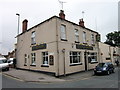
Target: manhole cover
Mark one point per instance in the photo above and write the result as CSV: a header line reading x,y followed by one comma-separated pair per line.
x,y
41,78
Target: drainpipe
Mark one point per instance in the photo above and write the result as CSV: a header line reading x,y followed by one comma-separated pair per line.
x,y
57,38
64,61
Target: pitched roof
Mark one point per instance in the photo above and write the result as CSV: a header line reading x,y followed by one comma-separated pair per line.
x,y
58,18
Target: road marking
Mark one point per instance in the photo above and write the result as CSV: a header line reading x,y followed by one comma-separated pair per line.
x,y
13,78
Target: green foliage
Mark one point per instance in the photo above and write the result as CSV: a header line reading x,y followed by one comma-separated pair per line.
x,y
113,38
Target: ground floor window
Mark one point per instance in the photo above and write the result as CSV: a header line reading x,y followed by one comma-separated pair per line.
x,y
25,59
74,57
45,58
33,58
92,57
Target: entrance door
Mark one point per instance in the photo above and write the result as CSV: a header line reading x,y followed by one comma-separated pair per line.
x,y
85,59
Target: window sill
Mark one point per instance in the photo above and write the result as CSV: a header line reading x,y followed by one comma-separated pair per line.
x,y
93,44
33,65
25,65
33,43
76,64
64,40
93,62
77,42
85,43
44,66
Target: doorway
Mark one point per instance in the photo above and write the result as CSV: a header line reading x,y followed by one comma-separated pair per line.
x,y
85,59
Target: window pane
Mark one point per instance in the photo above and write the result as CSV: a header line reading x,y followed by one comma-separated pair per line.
x,y
74,57
71,59
84,37
63,32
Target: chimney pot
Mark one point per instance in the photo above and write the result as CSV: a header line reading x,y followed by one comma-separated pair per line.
x,y
24,25
81,23
61,14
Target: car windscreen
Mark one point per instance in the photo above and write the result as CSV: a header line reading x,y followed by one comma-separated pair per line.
x,y
102,65
3,61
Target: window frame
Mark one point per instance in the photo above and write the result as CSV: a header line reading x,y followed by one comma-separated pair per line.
x,y
73,56
92,39
44,56
33,41
76,31
63,34
93,56
84,37
25,59
33,59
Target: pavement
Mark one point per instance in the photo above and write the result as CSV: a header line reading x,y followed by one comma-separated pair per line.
x,y
30,76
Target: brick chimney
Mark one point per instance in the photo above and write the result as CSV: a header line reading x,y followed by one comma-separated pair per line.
x,y
81,23
24,25
61,14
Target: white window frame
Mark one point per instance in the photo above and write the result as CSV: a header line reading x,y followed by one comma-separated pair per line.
x,y
84,37
46,57
95,55
78,56
63,32
33,58
76,35
33,38
25,59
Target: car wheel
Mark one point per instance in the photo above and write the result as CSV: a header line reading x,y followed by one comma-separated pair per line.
x,y
113,71
7,69
108,72
94,73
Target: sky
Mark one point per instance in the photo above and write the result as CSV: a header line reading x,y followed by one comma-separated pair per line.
x,y
99,15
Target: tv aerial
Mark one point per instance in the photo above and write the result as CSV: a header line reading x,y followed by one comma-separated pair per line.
x,y
83,14
61,2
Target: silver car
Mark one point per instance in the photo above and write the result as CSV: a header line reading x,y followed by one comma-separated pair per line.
x,y
4,64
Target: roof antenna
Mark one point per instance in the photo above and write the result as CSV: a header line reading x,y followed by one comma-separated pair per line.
x,y
83,14
61,2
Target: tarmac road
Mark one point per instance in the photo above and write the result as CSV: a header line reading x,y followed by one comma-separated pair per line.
x,y
102,81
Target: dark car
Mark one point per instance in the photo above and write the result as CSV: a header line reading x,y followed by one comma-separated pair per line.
x,y
104,68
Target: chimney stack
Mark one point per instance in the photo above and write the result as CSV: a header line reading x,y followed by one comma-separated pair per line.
x,y
24,25
81,23
61,14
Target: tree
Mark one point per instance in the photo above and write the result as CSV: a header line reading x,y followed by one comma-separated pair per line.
x,y
113,38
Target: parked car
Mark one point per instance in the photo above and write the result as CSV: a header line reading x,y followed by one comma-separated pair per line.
x,y
104,68
4,64
10,62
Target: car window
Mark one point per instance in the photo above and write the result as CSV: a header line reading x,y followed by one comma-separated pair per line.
x,y
4,60
102,65
1,61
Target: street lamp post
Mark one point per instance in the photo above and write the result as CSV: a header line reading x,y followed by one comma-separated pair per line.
x,y
16,54
18,22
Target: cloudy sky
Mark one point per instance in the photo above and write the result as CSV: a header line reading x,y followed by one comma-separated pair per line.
x,y
100,15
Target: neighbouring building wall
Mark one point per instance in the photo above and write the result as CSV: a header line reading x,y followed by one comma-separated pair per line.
x,y
108,53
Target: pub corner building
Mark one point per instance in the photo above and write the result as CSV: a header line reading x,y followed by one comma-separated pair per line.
x,y
57,46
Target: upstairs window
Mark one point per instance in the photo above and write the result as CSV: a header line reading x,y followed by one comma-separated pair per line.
x,y
84,37
76,35
33,38
92,38
63,32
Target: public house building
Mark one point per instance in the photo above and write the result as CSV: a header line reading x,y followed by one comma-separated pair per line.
x,y
57,46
